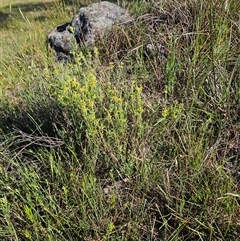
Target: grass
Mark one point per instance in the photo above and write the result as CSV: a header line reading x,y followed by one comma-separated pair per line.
x,y
124,143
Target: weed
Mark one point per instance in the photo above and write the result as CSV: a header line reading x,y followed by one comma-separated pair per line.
x,y
137,139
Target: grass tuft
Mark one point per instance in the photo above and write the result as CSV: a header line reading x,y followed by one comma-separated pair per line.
x,y
137,139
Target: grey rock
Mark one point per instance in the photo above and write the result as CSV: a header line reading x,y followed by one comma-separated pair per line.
x,y
87,26
61,39
157,49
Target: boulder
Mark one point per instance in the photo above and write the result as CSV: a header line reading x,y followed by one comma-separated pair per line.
x,y
87,26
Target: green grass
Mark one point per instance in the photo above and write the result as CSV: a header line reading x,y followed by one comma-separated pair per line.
x,y
5,3
123,143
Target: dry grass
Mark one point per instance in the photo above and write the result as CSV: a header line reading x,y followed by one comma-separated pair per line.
x,y
140,142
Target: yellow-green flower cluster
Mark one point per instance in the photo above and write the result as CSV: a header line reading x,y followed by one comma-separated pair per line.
x,y
116,113
123,104
136,98
173,111
78,96
79,58
139,102
96,52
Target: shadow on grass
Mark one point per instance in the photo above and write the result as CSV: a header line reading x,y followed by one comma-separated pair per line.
x,y
3,16
8,13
